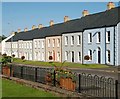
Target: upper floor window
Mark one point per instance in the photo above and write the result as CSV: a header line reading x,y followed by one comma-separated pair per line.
x,y
108,36
78,39
72,40
98,37
30,44
90,54
66,40
42,44
89,37
38,44
48,42
58,42
53,42
35,44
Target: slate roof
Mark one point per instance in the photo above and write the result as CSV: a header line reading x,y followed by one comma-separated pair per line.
x,y
102,19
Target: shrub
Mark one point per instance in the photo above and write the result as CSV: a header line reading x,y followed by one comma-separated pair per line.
x,y
5,59
86,57
13,55
50,57
22,57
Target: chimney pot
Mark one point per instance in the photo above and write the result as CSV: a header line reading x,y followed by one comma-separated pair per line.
x,y
19,30
33,27
110,5
85,12
66,18
25,30
40,26
51,22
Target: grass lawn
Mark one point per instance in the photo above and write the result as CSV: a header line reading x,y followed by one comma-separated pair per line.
x,y
66,64
13,89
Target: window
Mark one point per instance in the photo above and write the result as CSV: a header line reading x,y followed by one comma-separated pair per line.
x,y
108,56
79,56
58,42
42,44
66,40
89,37
38,44
49,43
108,37
30,45
53,42
27,45
98,37
58,56
42,56
35,44
72,40
90,54
79,39
66,55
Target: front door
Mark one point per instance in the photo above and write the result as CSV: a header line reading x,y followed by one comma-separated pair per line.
x,y
99,56
72,56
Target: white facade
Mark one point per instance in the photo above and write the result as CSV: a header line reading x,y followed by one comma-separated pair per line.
x,y
39,49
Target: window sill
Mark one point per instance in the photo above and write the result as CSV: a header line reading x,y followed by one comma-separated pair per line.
x,y
98,43
107,42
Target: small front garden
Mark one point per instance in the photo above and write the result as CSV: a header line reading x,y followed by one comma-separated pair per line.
x,y
66,64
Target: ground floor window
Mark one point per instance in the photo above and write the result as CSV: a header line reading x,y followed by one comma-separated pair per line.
x,y
108,56
79,56
90,54
58,56
66,55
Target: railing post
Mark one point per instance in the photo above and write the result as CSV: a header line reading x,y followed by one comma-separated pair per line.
x,y
79,83
10,70
116,89
36,74
54,79
21,71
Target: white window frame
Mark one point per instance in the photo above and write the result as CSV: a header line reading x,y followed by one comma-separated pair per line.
x,y
48,42
107,40
90,52
79,56
78,39
66,40
89,37
53,42
58,56
42,44
66,55
98,37
72,40
58,42
108,60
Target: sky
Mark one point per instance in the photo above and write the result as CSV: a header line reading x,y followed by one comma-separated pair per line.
x,y
20,15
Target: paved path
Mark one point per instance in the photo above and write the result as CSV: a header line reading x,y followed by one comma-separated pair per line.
x,y
108,74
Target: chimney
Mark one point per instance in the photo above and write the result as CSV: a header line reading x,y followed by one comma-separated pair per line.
x,y
40,26
19,31
110,5
66,18
85,12
51,22
25,30
33,27
12,32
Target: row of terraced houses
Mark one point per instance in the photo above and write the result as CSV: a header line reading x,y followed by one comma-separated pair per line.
x,y
96,35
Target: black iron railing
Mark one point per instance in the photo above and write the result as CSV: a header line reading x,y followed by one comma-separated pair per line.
x,y
86,83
